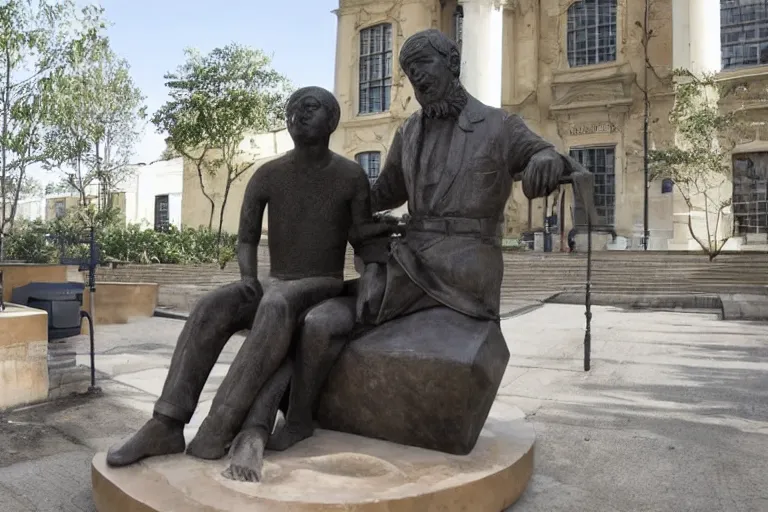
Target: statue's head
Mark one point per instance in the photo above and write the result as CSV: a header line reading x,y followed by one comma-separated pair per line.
x,y
312,115
432,62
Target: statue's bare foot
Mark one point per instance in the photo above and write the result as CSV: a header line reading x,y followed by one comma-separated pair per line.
x,y
291,433
156,437
209,443
247,456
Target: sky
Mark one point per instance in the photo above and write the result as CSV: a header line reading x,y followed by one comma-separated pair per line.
x,y
151,35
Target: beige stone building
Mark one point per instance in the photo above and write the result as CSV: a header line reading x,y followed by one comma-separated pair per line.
x,y
575,71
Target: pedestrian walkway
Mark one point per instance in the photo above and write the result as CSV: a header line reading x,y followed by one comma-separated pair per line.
x,y
672,417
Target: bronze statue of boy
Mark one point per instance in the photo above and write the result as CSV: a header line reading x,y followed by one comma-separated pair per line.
x,y
317,201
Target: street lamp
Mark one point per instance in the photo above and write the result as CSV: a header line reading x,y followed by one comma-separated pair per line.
x,y
646,232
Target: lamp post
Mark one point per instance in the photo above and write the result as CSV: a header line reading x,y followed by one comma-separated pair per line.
x,y
589,211
646,231
588,300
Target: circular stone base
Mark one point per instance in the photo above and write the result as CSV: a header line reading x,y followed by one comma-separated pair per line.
x,y
334,472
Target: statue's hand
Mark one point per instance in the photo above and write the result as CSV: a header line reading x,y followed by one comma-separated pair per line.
x,y
374,230
386,218
542,175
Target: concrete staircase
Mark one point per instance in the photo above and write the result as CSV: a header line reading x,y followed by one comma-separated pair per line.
x,y
533,276
629,272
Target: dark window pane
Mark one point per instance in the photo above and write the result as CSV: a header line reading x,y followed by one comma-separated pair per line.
x,y
744,32
162,218
591,36
370,161
601,162
375,65
750,193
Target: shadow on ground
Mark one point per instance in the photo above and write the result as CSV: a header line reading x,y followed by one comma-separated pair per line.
x,y
673,418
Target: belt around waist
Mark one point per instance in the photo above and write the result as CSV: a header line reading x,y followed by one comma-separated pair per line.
x,y
487,228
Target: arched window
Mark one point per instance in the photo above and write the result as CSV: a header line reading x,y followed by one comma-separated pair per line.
x,y
744,32
375,68
370,161
591,32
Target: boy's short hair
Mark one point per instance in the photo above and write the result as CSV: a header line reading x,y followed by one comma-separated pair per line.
x,y
326,99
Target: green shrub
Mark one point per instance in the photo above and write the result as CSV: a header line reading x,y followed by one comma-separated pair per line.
x,y
46,242
30,242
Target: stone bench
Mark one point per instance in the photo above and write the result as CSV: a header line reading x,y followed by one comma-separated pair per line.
x,y
426,380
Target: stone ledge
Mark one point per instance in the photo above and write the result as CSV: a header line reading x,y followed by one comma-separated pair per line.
x,y
118,303
23,356
335,472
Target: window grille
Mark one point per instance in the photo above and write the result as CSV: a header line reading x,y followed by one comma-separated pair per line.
x,y
591,32
370,161
601,161
375,68
750,193
743,32
162,219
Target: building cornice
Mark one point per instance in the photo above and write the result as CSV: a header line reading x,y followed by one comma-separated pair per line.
x,y
346,6
605,86
582,106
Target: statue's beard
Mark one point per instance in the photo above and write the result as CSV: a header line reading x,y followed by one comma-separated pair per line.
x,y
449,106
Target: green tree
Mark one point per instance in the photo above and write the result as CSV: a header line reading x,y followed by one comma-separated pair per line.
x,y
34,38
95,114
700,162
216,99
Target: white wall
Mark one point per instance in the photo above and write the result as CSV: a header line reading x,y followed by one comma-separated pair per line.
x,y
31,208
141,188
150,181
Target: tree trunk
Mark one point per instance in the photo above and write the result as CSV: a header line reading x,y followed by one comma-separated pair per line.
x,y
4,143
199,165
221,213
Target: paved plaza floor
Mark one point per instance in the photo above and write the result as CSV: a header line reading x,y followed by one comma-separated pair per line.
x,y
672,417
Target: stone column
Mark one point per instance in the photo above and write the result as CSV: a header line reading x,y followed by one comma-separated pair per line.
x,y
481,54
681,39
696,35
704,34
696,47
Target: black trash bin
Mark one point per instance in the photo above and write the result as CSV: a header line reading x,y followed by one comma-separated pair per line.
x,y
62,302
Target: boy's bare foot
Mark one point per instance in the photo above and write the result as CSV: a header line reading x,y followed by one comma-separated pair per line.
x,y
209,443
155,438
247,456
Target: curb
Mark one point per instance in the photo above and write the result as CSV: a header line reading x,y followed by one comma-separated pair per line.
x,y
642,301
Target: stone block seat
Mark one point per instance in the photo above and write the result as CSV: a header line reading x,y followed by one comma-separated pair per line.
x,y
426,380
